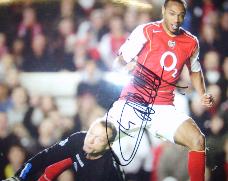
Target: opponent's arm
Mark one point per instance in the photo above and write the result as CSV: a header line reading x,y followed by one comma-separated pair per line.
x,y
40,161
54,170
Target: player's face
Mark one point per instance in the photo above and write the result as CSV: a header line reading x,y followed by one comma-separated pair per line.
x,y
96,140
173,17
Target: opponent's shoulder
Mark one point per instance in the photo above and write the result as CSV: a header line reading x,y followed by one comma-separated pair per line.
x,y
78,135
189,36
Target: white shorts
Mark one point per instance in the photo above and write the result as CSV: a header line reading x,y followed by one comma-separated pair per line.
x,y
160,120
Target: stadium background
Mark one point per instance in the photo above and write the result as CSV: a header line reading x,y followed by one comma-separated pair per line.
x,y
56,77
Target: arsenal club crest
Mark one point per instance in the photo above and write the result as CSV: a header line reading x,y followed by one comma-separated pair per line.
x,y
171,43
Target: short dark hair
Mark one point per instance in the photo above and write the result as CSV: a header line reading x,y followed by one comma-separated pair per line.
x,y
183,2
111,126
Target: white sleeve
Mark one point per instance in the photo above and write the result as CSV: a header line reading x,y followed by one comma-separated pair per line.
x,y
194,60
134,44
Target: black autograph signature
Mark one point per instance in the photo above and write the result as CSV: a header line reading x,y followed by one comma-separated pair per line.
x,y
147,84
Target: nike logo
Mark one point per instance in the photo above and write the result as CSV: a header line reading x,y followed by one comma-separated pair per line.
x,y
157,31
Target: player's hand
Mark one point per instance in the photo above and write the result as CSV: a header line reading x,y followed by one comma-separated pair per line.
x,y
14,178
207,100
129,67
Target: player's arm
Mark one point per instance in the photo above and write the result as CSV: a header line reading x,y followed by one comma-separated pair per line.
x,y
31,168
198,83
120,65
197,79
54,170
40,161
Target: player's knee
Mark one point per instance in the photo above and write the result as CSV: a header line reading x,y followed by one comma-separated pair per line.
x,y
198,142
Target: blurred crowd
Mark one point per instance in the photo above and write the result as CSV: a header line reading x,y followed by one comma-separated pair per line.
x,y
84,36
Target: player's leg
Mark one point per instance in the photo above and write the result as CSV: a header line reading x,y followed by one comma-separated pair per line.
x,y
170,124
125,118
189,134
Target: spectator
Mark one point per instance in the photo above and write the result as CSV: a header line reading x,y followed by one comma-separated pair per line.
x,y
223,112
80,57
12,79
87,107
6,64
16,156
144,17
110,10
62,123
130,19
47,134
63,42
223,82
105,92
4,97
6,139
225,148
3,45
208,39
39,107
23,136
111,42
223,38
47,104
39,60
200,114
211,64
66,124
208,12
215,158
19,98
29,27
93,29
67,9
18,50
87,6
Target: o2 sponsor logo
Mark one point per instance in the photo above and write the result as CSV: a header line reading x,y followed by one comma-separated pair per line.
x,y
171,67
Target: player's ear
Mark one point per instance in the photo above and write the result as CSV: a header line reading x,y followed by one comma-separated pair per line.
x,y
163,11
108,146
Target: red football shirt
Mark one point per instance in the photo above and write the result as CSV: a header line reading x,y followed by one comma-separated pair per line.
x,y
156,50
